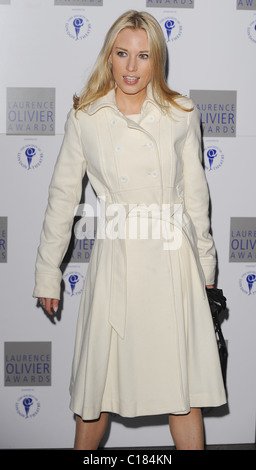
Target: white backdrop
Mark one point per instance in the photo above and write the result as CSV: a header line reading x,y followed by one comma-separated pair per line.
x,y
212,47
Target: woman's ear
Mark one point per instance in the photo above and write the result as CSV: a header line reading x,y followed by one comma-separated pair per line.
x,y
110,58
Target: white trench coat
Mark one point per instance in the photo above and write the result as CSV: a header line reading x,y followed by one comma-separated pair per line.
x,y
145,341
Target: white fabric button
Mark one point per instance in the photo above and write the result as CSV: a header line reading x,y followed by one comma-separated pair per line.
x,y
113,122
151,118
150,144
154,174
118,148
123,179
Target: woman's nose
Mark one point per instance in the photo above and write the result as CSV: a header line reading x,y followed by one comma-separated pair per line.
x,y
131,64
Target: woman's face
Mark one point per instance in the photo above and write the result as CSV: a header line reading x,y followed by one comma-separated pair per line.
x,y
131,64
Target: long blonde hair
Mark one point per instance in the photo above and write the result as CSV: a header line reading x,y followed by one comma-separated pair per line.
x,y
101,80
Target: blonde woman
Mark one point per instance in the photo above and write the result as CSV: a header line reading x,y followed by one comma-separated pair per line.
x,y
145,343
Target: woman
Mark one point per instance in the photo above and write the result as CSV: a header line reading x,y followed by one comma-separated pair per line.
x,y
145,343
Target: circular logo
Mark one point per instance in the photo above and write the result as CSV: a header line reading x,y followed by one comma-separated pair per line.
x,y
27,406
213,158
74,282
248,283
30,157
172,28
78,27
251,31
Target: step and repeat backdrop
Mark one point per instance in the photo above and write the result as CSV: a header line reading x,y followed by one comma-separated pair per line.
x,y
48,48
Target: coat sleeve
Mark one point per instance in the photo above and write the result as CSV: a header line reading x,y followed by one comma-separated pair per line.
x,y
64,195
196,195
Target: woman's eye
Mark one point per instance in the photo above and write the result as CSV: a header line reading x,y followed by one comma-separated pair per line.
x,y
121,53
144,56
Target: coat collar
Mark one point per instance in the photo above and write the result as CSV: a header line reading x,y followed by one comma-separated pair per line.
x,y
109,101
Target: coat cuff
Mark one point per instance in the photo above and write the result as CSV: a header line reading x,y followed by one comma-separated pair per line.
x,y
47,286
209,273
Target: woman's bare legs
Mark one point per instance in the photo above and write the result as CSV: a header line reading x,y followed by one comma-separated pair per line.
x,y
187,430
90,433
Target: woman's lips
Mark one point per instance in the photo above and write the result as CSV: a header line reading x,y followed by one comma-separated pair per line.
x,y
130,80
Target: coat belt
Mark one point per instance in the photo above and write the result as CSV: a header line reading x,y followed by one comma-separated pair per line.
x,y
118,291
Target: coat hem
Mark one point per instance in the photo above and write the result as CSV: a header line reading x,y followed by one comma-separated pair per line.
x,y
197,401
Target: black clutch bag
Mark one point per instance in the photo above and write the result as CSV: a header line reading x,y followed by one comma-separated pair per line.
x,y
217,303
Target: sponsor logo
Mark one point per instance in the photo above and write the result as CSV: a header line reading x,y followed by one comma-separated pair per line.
x,y
83,237
213,157
246,4
218,111
172,29
27,363
251,31
74,282
247,283
79,251
30,157
3,239
27,406
242,244
30,111
170,3
78,27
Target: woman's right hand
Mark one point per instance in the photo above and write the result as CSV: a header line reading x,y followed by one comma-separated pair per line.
x,y
49,305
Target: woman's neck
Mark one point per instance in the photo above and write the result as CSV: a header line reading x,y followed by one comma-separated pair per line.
x,y
130,104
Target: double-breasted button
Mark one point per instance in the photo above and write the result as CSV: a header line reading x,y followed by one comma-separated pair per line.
x,y
151,118
118,148
113,122
150,144
123,179
154,174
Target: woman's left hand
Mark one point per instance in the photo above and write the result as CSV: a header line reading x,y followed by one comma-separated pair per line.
x,y
50,305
